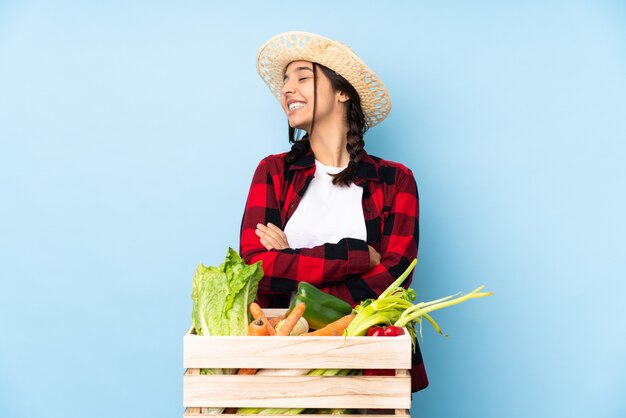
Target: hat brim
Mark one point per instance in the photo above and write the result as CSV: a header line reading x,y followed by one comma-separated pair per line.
x,y
282,49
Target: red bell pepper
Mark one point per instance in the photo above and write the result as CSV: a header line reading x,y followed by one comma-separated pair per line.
x,y
389,331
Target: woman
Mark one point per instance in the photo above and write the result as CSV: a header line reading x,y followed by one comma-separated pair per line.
x,y
326,212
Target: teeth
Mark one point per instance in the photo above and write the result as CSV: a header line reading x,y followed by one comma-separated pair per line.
x,y
296,105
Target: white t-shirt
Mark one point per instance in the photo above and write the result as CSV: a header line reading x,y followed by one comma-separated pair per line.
x,y
327,213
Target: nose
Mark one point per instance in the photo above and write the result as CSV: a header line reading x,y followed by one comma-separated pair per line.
x,y
287,88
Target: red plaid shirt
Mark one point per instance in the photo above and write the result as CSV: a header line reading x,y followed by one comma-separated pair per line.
x,y
391,211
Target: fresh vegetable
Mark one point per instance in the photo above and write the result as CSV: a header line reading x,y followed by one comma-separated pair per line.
x,y
390,331
321,307
284,327
257,328
301,327
394,307
257,313
262,331
332,411
333,329
221,296
283,372
260,328
274,320
247,372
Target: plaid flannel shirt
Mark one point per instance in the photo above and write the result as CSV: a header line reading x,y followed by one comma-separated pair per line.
x,y
391,211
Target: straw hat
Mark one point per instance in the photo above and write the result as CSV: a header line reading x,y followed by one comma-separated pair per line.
x,y
275,54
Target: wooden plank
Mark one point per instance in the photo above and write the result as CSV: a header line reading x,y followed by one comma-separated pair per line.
x,y
377,415
193,372
297,352
379,392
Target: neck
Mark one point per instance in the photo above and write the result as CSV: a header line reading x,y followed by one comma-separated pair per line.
x,y
329,145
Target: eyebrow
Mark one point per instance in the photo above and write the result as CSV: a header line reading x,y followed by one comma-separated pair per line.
x,y
299,69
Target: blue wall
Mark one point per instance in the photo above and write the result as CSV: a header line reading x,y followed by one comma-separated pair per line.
x,y
129,134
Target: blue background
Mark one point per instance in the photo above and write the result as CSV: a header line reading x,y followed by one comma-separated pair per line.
x,y
129,134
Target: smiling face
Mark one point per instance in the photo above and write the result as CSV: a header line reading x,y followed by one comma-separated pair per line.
x,y
297,99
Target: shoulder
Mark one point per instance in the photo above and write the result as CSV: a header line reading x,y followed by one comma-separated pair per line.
x,y
394,180
391,172
273,163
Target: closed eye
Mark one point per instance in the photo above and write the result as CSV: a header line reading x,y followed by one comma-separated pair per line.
x,y
286,77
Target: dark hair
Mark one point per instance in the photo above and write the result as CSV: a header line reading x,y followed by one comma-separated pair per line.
x,y
356,127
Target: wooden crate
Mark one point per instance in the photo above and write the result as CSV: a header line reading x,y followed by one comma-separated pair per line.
x,y
387,394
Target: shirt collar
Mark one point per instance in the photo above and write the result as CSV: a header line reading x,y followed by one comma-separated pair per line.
x,y
367,169
306,160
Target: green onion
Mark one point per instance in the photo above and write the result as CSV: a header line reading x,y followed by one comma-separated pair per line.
x,y
395,307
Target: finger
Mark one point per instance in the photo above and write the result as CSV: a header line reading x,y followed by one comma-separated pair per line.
x,y
266,244
275,228
278,234
276,231
276,237
262,230
273,240
263,237
282,241
273,235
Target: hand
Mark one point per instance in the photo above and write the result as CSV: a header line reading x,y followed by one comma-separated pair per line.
x,y
272,237
374,256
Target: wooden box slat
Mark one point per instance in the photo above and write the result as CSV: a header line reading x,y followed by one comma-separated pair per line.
x,y
297,352
400,413
297,391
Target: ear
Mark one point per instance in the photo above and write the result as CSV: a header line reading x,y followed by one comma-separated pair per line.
x,y
342,97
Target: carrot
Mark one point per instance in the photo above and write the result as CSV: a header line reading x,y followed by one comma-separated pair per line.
x,y
274,320
247,372
257,313
256,328
333,329
285,327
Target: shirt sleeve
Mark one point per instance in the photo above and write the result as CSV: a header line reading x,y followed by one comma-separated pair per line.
x,y
398,246
323,265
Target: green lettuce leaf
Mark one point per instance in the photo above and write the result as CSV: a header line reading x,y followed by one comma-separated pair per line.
x,y
221,296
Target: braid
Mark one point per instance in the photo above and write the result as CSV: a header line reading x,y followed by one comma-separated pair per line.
x,y
298,148
354,145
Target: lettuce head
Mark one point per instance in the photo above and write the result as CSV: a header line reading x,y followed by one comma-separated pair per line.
x,y
221,296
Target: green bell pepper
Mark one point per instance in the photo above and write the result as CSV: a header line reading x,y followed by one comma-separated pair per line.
x,y
320,308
